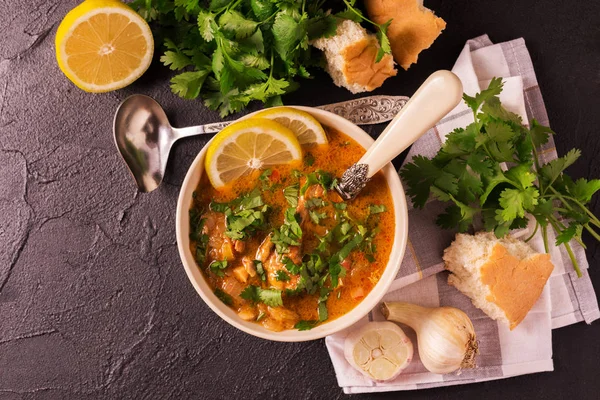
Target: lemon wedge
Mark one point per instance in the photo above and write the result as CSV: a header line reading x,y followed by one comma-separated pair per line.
x,y
247,145
379,350
305,126
103,45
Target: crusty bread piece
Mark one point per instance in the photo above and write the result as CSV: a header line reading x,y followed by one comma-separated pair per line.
x,y
414,28
503,277
351,56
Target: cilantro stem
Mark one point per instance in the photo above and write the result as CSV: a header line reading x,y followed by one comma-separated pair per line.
x,y
592,232
537,162
537,225
361,16
573,260
555,225
562,198
545,237
562,227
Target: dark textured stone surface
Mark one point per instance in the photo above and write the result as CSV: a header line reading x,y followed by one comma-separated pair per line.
x,y
94,302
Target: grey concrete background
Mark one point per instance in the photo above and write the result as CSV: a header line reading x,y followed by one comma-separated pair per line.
x,y
94,302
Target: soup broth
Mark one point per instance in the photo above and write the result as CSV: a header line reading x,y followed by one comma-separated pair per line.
x,y
280,246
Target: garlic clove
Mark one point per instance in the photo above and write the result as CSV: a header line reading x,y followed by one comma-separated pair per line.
x,y
383,369
361,354
379,350
371,339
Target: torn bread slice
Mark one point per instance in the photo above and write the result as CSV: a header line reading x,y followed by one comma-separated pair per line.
x,y
503,277
351,56
414,27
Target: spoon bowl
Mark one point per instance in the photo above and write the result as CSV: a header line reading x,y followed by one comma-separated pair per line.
x,y
144,137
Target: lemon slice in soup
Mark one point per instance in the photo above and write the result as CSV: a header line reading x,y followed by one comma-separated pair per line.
x,y
244,146
307,129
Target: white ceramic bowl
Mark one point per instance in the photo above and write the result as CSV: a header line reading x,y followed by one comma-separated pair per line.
x,y
195,275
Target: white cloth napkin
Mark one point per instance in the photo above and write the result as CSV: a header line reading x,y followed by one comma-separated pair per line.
x,y
565,300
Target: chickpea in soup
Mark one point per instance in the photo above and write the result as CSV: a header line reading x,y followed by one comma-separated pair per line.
x,y
281,248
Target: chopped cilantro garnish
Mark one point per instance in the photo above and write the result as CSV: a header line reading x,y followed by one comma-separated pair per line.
x,y
315,202
196,235
324,295
316,217
309,159
376,209
304,325
271,297
244,216
291,195
217,267
288,234
264,177
224,297
291,267
260,270
340,206
322,178
281,275
255,294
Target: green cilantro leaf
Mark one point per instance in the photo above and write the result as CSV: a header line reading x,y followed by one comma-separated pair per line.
x,y
565,236
304,325
235,22
376,208
384,41
189,84
175,60
515,202
224,297
583,190
206,25
270,297
494,89
316,217
260,270
262,9
539,133
280,275
552,170
217,267
250,293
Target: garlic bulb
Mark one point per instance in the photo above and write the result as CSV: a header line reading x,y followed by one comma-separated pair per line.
x,y
445,335
380,350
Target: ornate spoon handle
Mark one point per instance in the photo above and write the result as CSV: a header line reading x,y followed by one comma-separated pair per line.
x,y
439,94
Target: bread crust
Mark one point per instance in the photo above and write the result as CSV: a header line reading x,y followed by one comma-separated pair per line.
x,y
503,277
414,28
515,285
360,67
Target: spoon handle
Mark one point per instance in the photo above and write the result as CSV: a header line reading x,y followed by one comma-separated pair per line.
x,y
200,129
437,96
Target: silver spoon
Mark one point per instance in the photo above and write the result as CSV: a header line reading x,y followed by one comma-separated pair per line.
x,y
144,136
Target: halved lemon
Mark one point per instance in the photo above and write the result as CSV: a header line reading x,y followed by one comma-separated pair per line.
x,y
247,145
305,126
103,45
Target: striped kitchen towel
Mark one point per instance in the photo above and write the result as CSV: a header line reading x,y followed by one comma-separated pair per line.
x,y
565,300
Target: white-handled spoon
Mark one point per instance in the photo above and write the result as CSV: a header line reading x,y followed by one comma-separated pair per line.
x,y
436,97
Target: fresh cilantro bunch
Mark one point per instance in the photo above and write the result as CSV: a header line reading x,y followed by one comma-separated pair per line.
x,y
467,172
231,52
